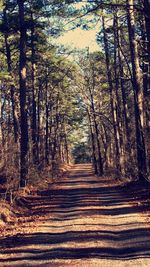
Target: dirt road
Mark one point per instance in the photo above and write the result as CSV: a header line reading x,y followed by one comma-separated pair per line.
x,y
82,221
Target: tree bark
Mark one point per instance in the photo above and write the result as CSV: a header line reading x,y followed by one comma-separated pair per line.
x,y
23,104
100,163
118,108
2,157
146,4
9,67
47,126
93,143
112,104
125,112
34,106
66,146
39,123
138,93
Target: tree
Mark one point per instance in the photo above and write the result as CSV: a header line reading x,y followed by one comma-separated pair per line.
x,y
23,103
138,93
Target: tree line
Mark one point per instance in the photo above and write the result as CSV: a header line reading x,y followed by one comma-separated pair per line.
x,y
37,103
116,85
44,95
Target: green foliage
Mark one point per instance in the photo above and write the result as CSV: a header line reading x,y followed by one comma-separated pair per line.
x,y
1,5
5,76
81,153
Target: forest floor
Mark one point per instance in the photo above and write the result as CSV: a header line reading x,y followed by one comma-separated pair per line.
x,y
82,220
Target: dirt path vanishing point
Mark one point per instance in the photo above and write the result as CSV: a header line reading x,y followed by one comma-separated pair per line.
x,y
82,221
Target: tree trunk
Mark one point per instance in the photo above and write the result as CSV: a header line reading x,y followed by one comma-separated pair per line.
x,y
34,106
12,88
91,87
93,143
118,108
23,107
112,104
66,146
38,124
146,85
47,125
125,112
147,22
105,141
138,93
99,163
2,157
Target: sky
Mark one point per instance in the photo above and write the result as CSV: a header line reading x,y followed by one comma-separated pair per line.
x,y
80,39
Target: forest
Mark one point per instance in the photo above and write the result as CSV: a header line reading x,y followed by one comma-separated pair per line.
x,y
62,107
45,97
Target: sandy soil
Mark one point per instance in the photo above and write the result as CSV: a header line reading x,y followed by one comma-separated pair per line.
x,y
83,220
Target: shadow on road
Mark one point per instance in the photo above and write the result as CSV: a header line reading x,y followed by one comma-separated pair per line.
x,y
80,196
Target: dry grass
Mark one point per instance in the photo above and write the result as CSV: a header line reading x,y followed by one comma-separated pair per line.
x,y
6,214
